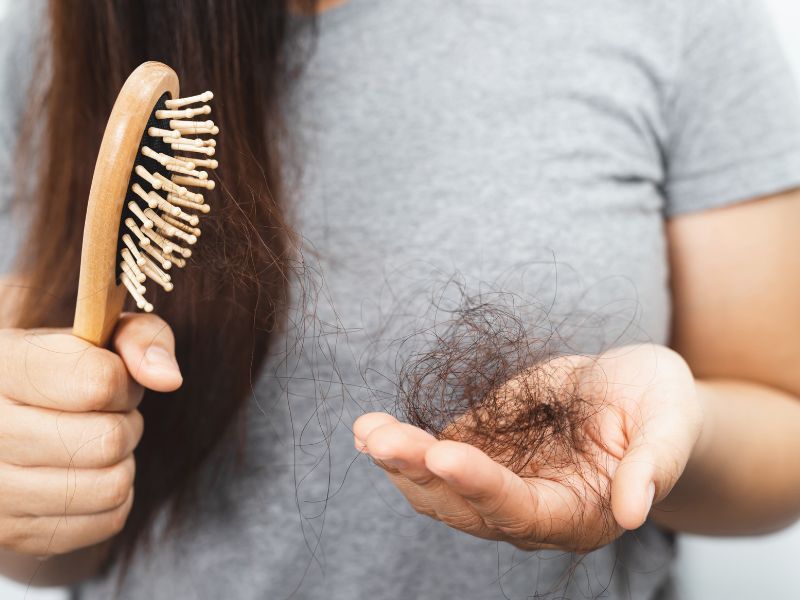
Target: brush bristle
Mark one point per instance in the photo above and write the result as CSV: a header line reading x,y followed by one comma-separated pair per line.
x,y
160,214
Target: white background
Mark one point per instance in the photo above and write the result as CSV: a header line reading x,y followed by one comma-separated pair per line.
x,y
708,569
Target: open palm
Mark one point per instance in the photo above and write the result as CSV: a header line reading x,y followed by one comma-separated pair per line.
x,y
629,443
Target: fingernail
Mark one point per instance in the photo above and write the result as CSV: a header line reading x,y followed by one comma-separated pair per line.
x,y
161,359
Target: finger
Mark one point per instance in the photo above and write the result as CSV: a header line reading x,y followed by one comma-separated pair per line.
x,y
38,437
147,347
54,369
45,536
401,446
366,423
504,501
47,491
650,468
400,449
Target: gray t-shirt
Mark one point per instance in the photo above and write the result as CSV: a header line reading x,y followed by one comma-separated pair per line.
x,y
529,147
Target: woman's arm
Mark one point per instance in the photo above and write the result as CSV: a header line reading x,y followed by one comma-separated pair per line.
x,y
736,286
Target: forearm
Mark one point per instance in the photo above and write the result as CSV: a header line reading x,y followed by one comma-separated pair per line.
x,y
62,570
744,474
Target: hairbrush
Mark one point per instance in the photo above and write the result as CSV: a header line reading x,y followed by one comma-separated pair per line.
x,y
145,199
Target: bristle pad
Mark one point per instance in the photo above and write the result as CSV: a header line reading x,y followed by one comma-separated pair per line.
x,y
161,214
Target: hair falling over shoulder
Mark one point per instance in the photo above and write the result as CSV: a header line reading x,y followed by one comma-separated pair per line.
x,y
231,301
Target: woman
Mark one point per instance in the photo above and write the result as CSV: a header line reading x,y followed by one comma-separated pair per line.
x,y
652,148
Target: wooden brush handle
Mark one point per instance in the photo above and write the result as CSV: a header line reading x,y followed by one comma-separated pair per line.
x,y
100,297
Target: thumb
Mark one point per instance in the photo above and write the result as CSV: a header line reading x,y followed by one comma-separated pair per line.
x,y
650,468
147,347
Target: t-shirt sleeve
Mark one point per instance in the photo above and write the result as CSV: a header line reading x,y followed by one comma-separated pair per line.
x,y
733,114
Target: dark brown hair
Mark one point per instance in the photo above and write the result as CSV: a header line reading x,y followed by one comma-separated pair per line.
x,y
228,305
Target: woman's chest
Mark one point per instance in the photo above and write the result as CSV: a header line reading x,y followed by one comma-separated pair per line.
x,y
514,147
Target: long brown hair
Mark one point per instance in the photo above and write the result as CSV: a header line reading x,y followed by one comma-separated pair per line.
x,y
228,304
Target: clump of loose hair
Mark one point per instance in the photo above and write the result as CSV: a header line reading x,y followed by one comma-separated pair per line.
x,y
480,379
484,376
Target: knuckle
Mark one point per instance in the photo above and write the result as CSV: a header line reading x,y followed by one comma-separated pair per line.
x,y
20,537
137,425
13,538
119,516
116,484
113,439
101,378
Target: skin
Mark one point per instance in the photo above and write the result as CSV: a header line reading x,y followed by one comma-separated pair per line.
x,y
636,392
702,438
68,427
